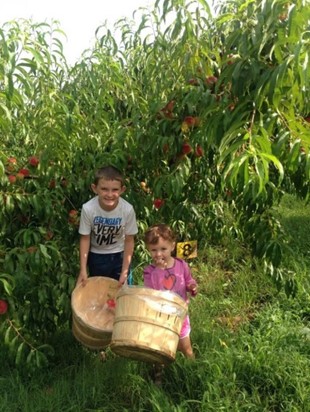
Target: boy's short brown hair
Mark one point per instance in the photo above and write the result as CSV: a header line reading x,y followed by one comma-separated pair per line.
x,y
109,173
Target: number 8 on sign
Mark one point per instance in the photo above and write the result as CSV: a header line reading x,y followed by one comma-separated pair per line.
x,y
187,250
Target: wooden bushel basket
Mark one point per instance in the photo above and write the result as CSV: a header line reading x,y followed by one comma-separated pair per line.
x,y
92,320
147,324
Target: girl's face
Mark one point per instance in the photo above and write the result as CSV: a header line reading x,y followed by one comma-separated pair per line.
x,y
109,192
161,252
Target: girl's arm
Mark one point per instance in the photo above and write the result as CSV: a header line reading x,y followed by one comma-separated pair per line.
x,y
190,282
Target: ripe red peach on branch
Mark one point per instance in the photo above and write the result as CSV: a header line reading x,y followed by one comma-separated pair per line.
x,y
33,161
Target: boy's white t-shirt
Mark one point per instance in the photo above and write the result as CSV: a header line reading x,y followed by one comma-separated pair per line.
x,y
107,229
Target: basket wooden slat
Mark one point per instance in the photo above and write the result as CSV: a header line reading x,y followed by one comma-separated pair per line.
x,y
147,324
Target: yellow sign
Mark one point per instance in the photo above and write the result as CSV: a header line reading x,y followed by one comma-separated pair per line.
x,y
187,250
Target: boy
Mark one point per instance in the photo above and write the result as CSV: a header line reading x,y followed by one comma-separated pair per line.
x,y
107,229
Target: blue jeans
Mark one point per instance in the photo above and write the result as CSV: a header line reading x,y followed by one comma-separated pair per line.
x,y
109,265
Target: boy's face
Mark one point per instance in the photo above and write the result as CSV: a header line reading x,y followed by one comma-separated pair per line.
x,y
161,252
109,192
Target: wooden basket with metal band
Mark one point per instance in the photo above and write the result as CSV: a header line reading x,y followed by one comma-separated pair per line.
x,y
147,324
92,320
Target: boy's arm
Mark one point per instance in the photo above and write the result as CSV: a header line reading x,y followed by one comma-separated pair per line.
x,y
128,252
84,250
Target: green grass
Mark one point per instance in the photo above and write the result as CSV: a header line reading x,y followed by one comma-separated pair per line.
x,y
295,218
252,345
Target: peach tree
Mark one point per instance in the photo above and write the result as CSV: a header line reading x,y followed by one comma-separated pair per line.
x,y
214,117
38,234
207,115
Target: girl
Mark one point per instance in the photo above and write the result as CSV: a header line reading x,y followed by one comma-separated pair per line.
x,y
169,273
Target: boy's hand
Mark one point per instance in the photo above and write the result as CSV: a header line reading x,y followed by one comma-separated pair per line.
x,y
122,280
82,278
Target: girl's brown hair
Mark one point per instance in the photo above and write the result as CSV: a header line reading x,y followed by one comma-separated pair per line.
x,y
155,232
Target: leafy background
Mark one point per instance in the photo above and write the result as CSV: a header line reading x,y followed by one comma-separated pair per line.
x,y
207,116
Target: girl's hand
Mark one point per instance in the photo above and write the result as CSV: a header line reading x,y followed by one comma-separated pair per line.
x,y
193,289
160,263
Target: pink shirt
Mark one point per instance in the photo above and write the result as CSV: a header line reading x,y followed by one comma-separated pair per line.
x,y
177,279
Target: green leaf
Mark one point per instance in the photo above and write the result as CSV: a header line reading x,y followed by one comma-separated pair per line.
x,y
44,252
48,349
30,357
41,359
261,172
6,112
37,56
19,353
276,163
293,157
7,286
7,335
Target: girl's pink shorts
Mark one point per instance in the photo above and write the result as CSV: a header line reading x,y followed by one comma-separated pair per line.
x,y
186,328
